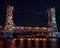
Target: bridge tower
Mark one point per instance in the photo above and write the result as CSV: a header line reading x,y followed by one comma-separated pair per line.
x,y
52,20
9,21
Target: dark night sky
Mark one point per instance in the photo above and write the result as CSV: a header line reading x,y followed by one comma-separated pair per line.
x,y
29,13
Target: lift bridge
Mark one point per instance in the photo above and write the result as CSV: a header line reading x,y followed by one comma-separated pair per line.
x,y
10,28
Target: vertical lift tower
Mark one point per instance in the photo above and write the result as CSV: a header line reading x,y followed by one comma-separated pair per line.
x,y
9,21
52,25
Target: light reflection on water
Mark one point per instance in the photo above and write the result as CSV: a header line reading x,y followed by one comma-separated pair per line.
x,y
54,43
44,44
29,43
36,43
21,43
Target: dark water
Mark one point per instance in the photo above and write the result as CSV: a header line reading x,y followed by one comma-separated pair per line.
x,y
30,43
